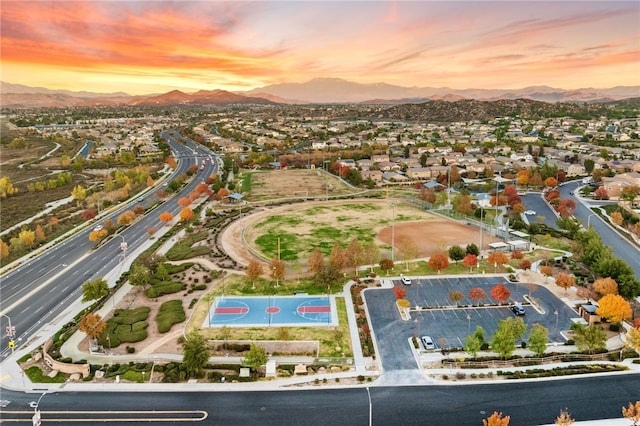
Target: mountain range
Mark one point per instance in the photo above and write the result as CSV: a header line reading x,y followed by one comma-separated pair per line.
x,y
316,91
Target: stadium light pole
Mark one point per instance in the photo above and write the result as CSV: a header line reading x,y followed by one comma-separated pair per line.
x,y
393,230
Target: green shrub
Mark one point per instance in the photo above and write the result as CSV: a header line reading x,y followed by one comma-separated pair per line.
x,y
163,287
171,312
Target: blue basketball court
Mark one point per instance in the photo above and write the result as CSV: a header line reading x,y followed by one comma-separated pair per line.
x,y
265,311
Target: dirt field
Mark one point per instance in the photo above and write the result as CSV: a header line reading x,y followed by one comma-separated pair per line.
x,y
293,183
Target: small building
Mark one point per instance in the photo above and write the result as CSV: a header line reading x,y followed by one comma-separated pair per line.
x,y
588,313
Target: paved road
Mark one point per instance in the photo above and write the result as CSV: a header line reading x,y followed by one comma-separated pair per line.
x,y
621,247
38,291
533,201
528,403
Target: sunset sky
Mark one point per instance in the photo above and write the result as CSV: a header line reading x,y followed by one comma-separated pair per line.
x,y
143,47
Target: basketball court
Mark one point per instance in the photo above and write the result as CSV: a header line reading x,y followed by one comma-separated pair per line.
x,y
265,311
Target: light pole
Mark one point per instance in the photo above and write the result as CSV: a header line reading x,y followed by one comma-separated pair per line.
x,y
326,180
370,407
481,231
393,230
10,332
589,219
36,419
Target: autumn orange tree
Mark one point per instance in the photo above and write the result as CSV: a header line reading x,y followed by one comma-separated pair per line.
x,y
353,255
315,261
478,294
439,261
171,162
614,308
496,419
632,340
40,237
470,260
386,264
92,325
98,235
455,296
165,217
186,214
632,412
497,258
184,202
126,218
336,257
500,293
4,250
565,281
546,271
525,264
604,286
254,270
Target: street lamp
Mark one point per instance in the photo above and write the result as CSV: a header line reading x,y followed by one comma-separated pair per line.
x,y
370,407
589,219
393,230
36,419
10,332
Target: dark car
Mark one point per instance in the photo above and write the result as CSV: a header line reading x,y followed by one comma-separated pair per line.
x,y
518,310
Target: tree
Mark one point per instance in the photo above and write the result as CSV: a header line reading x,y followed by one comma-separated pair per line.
x,y
604,286
500,293
470,260
27,237
6,187
88,214
477,294
496,419
171,162
92,325
184,202
616,218
525,264
439,261
98,235
538,339
186,214
353,255
79,194
326,276
165,217
632,412
565,281
126,218
589,338
4,250
504,339
455,296
497,258
517,255
254,270
336,257
550,182
632,340
614,308
546,271
601,193
472,345
370,254
464,205
408,250
195,353
276,269
139,275
40,237
386,264
472,249
94,289
456,253
315,261
564,418
255,357
399,292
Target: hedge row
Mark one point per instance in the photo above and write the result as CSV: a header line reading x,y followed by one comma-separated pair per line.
x,y
171,312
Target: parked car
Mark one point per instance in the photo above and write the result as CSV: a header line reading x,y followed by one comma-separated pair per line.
x,y
518,310
427,342
405,280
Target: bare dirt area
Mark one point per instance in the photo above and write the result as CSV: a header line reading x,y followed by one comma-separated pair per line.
x,y
433,236
293,183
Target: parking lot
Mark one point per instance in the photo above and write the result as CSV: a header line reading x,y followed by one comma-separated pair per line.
x,y
448,324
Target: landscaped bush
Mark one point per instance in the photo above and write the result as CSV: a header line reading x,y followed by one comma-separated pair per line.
x,y
171,312
160,288
126,326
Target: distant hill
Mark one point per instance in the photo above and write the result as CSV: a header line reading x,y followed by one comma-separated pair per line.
x,y
319,90
335,90
472,109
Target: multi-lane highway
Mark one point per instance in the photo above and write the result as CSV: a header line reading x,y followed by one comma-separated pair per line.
x,y
39,290
527,402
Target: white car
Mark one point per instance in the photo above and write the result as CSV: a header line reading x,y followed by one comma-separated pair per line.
x,y
405,280
530,213
97,228
427,342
